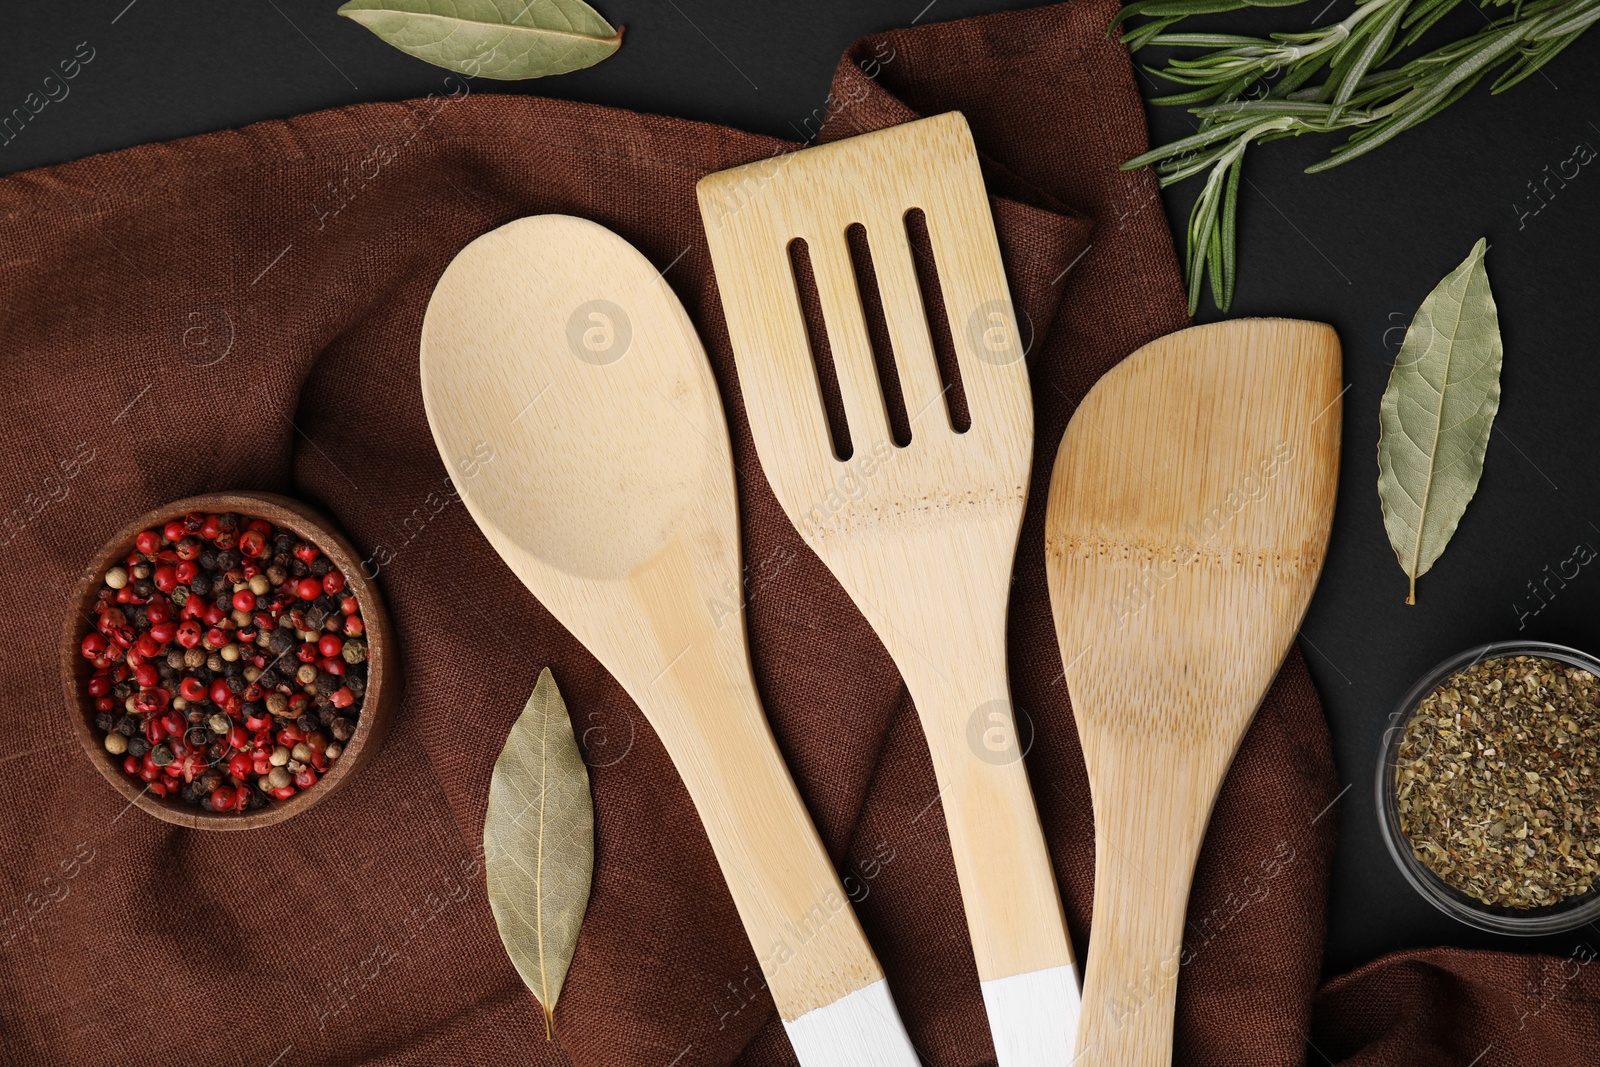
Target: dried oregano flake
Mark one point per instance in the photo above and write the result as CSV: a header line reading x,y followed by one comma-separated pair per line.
x,y
1496,779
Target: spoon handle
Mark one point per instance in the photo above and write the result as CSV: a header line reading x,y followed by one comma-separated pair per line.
x,y
702,701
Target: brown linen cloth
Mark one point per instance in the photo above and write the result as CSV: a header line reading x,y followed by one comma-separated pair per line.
x,y
241,310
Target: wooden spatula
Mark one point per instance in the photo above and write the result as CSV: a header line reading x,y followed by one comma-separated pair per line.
x,y
1188,516
575,409
920,534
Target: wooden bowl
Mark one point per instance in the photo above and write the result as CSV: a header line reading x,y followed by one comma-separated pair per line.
x,y
383,674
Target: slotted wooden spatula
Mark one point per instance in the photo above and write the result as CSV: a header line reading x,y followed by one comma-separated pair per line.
x,y
921,536
570,399
1188,516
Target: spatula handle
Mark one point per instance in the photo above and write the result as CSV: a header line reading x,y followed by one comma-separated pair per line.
x,y
1148,827
1008,887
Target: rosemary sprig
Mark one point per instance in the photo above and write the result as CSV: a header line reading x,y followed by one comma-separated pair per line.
x,y
1246,90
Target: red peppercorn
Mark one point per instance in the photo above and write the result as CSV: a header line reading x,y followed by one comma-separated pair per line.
x,y
194,608
319,761
333,583
223,797
93,645
329,645
220,691
263,621
216,637
261,763
354,627
240,766
214,615
253,692
163,631
158,610
257,722
238,736
282,792
188,634
186,570
148,542
149,772
130,765
158,789
342,697
173,531
99,682
349,605
147,675
305,553
165,577
306,653
252,544
210,527
148,646
332,666
289,735
192,689
244,600
308,589
306,778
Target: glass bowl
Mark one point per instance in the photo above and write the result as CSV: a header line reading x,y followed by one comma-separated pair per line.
x,y
1556,918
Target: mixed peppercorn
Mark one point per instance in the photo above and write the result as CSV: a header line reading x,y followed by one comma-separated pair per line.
x,y
229,662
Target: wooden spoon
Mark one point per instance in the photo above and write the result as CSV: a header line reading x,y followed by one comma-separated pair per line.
x,y
1188,517
570,398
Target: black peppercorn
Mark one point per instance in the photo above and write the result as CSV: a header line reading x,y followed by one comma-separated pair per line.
x,y
200,584
138,745
327,682
342,728
258,799
268,679
122,691
208,782
208,560
307,723
197,736
282,541
356,683
164,670
105,722
320,566
205,803
140,618
327,713
254,709
217,751
235,680
228,521
280,642
227,560
143,587
315,617
187,794
297,568
128,725
161,755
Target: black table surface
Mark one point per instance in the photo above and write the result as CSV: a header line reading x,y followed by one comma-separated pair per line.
x,y
1357,247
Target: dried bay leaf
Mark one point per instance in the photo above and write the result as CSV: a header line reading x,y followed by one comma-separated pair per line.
x,y
1436,415
507,40
538,843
